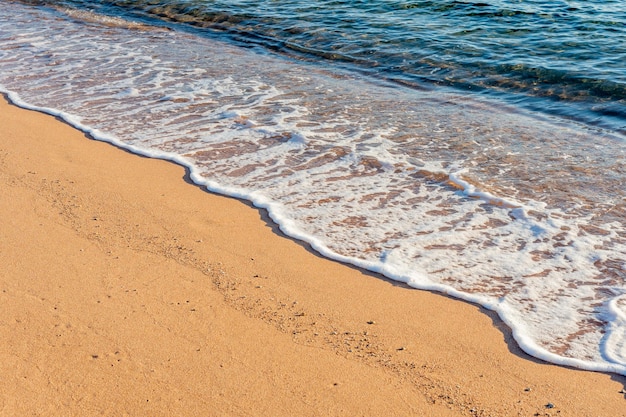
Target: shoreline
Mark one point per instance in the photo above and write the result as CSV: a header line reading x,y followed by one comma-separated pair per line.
x,y
125,295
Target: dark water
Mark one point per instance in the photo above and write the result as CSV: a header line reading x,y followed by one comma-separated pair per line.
x,y
560,57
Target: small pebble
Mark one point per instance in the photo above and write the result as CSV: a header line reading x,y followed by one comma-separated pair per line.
x,y
549,405
371,322
527,389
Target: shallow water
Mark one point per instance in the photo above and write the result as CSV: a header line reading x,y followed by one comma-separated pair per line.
x,y
467,194
562,57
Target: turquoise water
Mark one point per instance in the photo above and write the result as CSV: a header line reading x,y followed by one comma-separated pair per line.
x,y
560,57
454,146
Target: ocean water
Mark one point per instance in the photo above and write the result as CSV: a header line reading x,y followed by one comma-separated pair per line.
x,y
472,148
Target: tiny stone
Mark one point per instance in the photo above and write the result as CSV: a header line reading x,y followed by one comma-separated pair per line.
x,y
527,389
371,322
549,405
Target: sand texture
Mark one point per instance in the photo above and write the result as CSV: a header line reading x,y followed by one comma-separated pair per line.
x,y
128,291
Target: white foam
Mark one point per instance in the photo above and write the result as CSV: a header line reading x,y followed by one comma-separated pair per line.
x,y
614,346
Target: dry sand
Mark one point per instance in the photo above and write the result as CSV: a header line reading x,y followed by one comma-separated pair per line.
x,y
126,290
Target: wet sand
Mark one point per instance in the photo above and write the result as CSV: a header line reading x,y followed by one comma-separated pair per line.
x,y
127,290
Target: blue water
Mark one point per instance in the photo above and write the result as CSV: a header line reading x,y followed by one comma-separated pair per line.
x,y
472,148
560,57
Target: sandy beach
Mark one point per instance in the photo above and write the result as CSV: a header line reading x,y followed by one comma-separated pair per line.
x,y
129,291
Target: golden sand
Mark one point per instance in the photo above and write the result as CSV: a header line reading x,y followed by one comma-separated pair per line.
x,y
126,290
